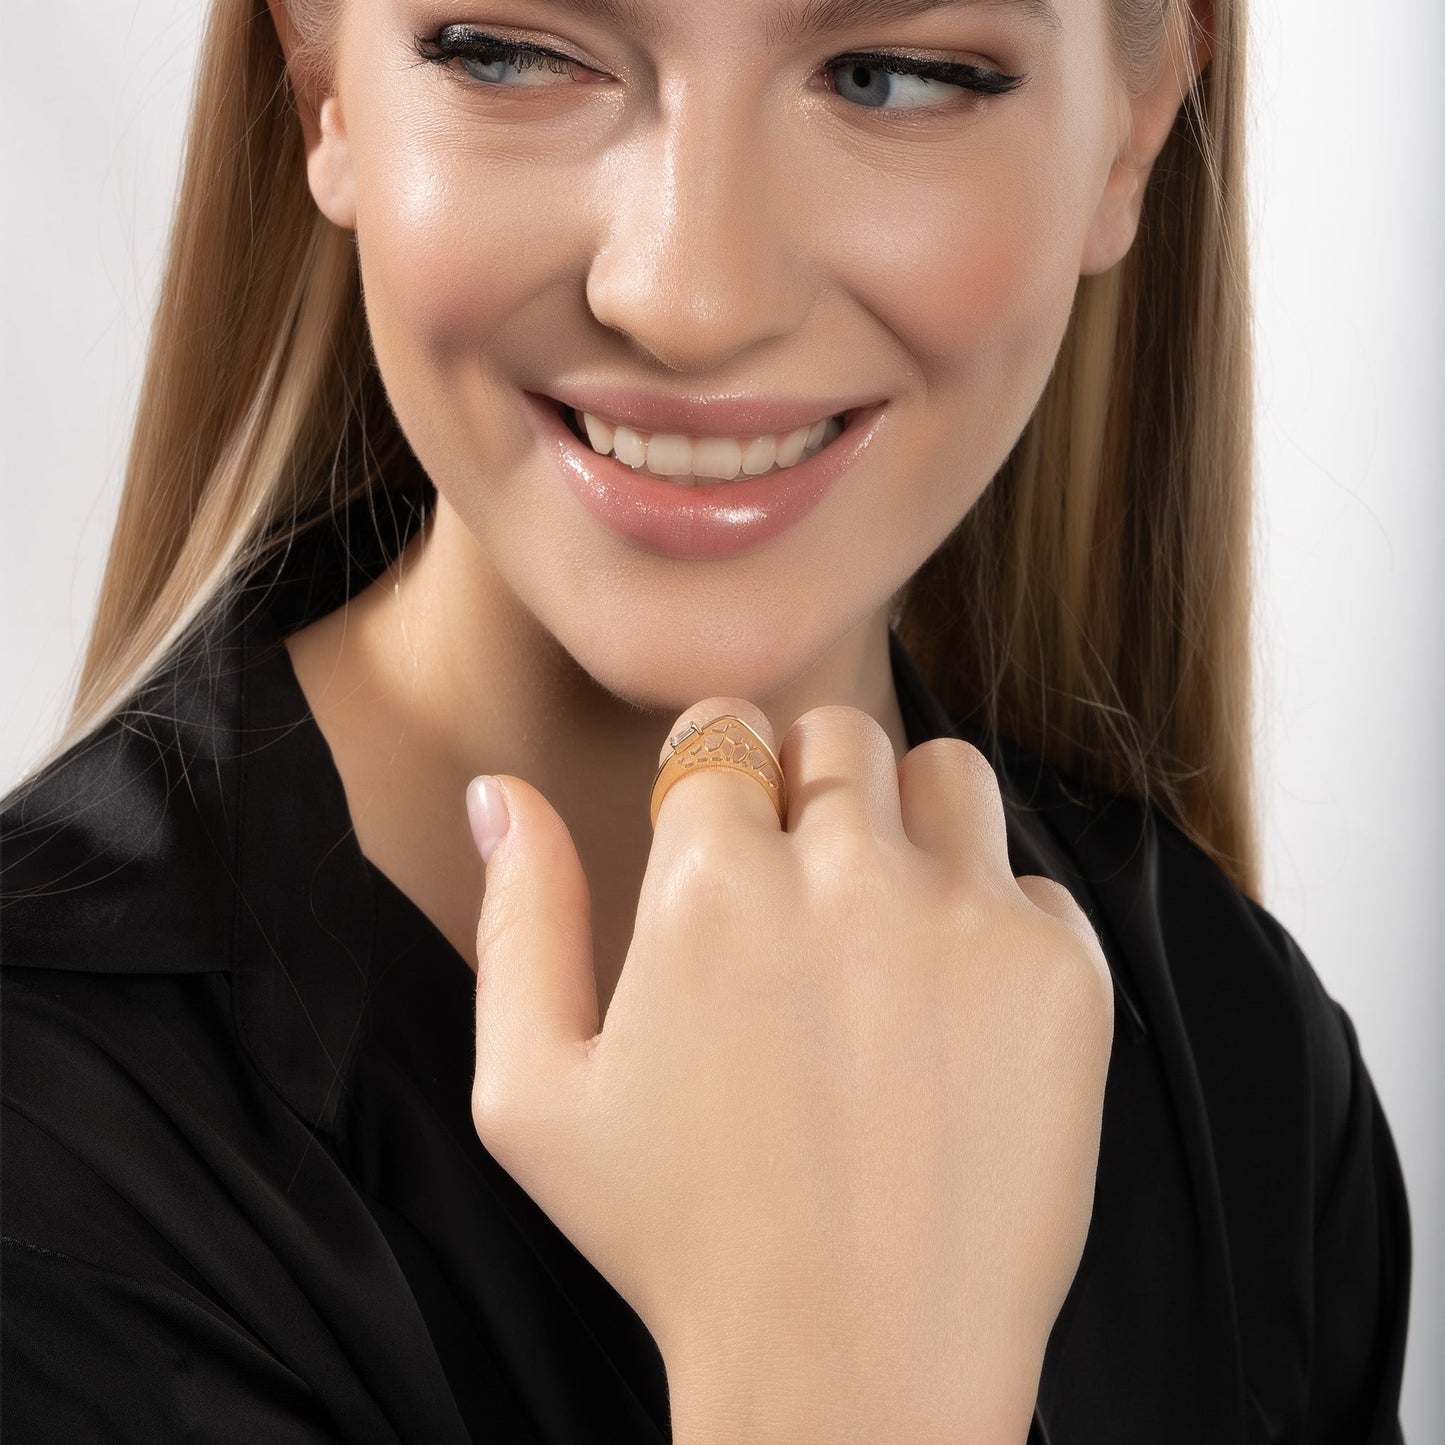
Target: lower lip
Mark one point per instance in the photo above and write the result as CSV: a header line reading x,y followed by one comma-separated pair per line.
x,y
707,521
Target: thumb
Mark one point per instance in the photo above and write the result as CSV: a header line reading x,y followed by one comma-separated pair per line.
x,y
536,988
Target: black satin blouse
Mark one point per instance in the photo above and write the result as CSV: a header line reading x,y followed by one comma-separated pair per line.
x,y
243,1200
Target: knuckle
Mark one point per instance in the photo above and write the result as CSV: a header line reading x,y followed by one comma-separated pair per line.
x,y
973,765
1057,903
710,876
708,708
493,1111
520,1115
1082,985
836,715
835,721
958,752
1093,980
718,706
958,759
1051,896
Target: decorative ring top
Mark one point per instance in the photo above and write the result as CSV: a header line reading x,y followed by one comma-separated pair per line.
x,y
724,742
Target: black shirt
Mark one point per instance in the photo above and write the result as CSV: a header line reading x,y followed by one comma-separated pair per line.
x,y
244,1201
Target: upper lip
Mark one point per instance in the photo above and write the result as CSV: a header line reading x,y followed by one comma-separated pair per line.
x,y
705,415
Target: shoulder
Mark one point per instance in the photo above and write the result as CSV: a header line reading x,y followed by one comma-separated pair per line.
x,y
116,857
1259,1019
116,915
1272,1105
181,901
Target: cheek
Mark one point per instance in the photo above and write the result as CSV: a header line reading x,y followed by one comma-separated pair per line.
x,y
977,272
450,247
974,277
462,254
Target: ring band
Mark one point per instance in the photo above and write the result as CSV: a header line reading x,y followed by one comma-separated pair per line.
x,y
725,742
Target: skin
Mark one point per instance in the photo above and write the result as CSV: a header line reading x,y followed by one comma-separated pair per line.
x,y
702,213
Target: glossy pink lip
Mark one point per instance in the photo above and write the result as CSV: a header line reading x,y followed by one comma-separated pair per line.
x,y
727,416
696,522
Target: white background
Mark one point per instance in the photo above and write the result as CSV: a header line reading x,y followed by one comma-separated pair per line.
x,y
1350,239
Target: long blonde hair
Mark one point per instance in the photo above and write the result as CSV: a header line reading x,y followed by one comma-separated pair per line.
x,y
1093,606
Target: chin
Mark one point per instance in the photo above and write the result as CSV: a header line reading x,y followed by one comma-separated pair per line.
x,y
668,674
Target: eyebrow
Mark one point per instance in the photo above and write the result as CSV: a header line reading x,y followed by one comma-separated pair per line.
x,y
786,23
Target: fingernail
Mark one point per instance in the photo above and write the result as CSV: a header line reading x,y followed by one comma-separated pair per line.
x,y
487,813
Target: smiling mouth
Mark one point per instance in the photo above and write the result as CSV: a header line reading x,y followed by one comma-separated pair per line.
x,y
706,460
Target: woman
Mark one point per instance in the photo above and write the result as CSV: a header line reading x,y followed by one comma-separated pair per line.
x,y
579,394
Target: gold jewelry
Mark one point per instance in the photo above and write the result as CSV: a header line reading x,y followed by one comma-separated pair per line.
x,y
725,742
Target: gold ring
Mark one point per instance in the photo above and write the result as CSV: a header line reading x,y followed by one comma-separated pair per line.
x,y
725,742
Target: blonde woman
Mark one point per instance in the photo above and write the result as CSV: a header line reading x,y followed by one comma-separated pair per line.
x,y
656,839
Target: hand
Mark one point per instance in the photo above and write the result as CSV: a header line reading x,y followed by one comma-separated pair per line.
x,y
837,1142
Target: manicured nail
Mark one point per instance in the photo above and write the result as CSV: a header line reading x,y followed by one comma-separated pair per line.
x,y
487,813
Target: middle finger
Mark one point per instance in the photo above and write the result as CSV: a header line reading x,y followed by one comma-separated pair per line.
x,y
842,776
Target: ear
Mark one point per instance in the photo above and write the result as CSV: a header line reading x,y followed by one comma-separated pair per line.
x,y
323,131
1147,119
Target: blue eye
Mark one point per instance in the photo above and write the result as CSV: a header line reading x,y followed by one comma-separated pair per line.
x,y
490,68
873,80
489,61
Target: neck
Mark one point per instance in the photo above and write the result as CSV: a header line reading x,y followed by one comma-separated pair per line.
x,y
437,672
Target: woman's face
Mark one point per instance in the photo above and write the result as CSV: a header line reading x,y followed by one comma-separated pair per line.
x,y
703,200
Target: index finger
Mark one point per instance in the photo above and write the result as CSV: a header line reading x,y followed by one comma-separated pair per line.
x,y
718,797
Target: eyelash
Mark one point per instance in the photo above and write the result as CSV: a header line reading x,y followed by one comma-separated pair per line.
x,y
457,43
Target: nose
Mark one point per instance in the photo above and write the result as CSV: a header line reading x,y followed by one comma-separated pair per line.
x,y
700,259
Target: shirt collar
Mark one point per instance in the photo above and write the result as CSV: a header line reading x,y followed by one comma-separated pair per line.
x,y
206,827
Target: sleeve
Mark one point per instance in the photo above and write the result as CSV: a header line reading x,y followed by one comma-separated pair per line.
x,y
1360,1304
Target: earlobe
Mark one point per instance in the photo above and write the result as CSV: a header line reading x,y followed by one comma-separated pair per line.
x,y
328,154
1148,120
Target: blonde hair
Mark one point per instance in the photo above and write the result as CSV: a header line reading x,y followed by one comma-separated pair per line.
x,y
1093,606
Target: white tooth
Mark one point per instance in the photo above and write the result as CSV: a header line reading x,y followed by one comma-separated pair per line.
x,y
759,456
719,457
707,461
790,447
630,447
599,433
669,455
